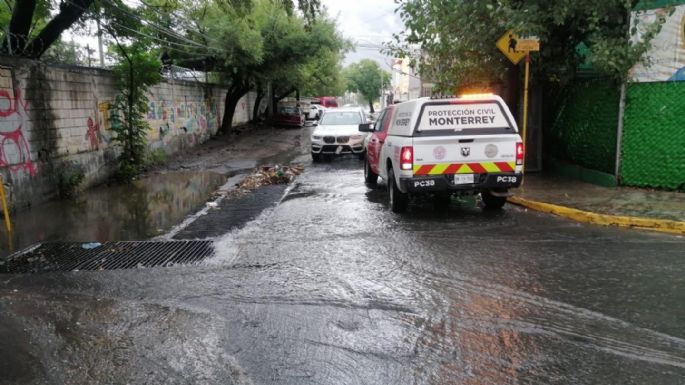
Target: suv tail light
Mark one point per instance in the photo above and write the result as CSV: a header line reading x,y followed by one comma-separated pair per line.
x,y
519,154
407,158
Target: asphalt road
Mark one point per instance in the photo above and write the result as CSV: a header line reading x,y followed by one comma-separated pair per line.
x,y
330,287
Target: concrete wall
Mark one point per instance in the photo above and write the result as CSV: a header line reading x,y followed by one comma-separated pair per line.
x,y
54,120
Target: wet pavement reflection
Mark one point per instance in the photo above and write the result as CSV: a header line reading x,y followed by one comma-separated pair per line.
x,y
330,287
145,208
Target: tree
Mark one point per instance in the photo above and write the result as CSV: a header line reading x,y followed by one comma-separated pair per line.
x,y
453,41
301,57
62,52
252,46
30,30
137,69
368,79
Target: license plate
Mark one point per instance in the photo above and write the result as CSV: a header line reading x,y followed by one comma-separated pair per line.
x,y
464,179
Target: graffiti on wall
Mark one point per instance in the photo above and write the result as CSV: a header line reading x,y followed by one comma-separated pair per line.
x,y
191,120
665,60
15,152
93,134
195,119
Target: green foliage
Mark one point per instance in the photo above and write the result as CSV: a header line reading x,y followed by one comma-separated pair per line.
x,y
41,15
68,179
62,52
458,46
297,54
264,42
156,157
367,78
137,70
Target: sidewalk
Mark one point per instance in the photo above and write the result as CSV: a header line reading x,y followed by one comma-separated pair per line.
x,y
619,206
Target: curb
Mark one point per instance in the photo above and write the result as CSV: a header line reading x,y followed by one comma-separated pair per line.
x,y
660,225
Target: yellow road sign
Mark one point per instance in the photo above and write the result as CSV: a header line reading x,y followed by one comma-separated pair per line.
x,y
508,44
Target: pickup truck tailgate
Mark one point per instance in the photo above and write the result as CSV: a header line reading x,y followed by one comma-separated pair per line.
x,y
464,154
464,137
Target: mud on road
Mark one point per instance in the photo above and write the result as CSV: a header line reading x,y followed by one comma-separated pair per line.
x,y
250,147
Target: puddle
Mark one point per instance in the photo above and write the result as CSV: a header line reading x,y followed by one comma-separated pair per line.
x,y
138,211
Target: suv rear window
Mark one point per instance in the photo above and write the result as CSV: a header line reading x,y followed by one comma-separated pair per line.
x,y
463,118
333,118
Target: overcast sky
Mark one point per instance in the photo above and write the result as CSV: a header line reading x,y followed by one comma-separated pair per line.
x,y
366,22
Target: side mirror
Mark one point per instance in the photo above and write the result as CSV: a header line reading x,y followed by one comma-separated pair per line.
x,y
366,127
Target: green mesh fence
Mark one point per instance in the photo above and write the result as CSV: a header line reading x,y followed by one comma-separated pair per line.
x,y
584,132
653,148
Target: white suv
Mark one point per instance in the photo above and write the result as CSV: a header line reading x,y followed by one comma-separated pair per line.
x,y
338,133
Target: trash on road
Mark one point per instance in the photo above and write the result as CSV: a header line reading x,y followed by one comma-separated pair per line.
x,y
269,175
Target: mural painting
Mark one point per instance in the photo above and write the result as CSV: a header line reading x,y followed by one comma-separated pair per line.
x,y
193,119
98,132
665,61
15,153
93,134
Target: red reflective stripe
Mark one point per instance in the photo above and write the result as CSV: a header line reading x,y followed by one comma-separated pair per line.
x,y
452,168
477,168
424,170
504,166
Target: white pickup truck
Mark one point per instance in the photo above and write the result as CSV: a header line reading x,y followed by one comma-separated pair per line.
x,y
466,145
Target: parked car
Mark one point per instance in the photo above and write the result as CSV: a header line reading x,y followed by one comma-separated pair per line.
x,y
338,133
442,147
290,116
314,112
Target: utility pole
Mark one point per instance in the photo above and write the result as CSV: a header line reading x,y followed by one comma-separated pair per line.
x,y
90,52
102,55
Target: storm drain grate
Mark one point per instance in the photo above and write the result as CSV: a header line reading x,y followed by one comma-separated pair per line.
x,y
61,256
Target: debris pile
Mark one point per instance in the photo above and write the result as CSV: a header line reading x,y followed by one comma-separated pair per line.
x,y
269,175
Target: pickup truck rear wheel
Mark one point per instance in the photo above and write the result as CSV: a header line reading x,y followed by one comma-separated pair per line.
x,y
492,202
398,200
370,177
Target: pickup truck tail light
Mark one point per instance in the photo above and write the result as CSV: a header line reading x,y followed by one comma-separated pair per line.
x,y
519,154
407,158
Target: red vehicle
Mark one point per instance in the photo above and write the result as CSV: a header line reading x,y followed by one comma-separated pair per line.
x,y
289,116
328,101
375,143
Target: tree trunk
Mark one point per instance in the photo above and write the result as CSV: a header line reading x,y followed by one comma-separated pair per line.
x,y
371,106
69,13
232,98
257,102
19,27
279,97
131,129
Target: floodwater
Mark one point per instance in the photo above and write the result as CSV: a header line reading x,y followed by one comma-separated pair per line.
x,y
143,209
330,287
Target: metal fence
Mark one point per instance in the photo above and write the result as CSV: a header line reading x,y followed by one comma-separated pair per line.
x,y
653,146
584,132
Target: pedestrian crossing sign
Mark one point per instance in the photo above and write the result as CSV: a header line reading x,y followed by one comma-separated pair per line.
x,y
508,45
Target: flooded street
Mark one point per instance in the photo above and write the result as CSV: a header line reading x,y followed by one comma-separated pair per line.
x,y
330,287
143,209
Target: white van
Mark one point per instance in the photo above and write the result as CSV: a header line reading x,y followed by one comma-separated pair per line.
x,y
465,145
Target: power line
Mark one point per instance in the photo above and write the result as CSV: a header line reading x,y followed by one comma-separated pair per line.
x,y
159,28
195,45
